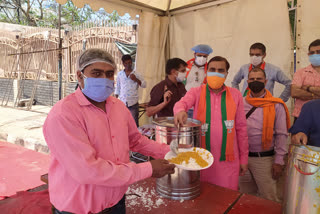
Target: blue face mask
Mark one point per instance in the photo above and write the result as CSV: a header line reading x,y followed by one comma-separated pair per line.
x,y
315,59
98,89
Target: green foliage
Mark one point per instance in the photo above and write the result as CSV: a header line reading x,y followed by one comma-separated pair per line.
x,y
45,13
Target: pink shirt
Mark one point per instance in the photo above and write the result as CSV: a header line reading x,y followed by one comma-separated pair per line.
x,y
90,168
222,173
302,77
280,134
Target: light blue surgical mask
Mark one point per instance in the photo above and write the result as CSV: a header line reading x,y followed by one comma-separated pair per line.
x,y
315,59
211,74
98,89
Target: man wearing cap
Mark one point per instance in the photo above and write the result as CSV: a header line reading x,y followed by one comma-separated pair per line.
x,y
274,74
89,134
220,108
197,69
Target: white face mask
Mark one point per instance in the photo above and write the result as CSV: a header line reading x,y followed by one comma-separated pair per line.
x,y
200,60
181,76
255,60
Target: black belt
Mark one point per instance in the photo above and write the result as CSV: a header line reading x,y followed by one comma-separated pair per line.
x,y
105,211
261,154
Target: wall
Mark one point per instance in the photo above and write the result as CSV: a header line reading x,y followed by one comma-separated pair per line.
x,y
47,91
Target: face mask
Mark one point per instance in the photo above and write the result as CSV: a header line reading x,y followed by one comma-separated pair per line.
x,y
255,60
215,80
256,86
181,76
315,59
98,89
200,60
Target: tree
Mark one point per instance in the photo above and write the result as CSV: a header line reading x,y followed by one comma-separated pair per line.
x,y
45,13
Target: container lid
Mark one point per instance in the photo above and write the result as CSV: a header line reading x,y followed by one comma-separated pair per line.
x,y
169,122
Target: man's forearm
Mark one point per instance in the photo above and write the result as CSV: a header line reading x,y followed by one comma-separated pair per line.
x,y
286,93
280,148
152,110
315,90
300,93
138,81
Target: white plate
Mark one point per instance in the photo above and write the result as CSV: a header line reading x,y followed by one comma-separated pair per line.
x,y
170,155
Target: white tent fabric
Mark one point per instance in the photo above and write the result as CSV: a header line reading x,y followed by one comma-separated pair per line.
x,y
150,52
308,29
231,28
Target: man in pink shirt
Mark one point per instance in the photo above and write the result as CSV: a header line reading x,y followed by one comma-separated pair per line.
x,y
306,81
89,134
266,149
221,109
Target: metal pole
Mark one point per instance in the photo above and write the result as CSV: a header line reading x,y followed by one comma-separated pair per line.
x,y
60,56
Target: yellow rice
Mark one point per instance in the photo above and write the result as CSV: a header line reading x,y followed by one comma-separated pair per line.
x,y
185,156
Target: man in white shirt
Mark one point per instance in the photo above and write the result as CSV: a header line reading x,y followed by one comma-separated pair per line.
x,y
127,85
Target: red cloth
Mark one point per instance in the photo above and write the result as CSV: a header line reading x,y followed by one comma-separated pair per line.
x,y
20,168
26,203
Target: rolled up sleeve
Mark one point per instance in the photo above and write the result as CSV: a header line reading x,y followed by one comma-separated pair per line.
x,y
143,82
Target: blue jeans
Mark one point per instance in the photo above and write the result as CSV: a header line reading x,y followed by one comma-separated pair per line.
x,y
135,113
119,208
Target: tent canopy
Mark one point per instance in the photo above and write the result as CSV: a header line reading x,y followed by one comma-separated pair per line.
x,y
133,7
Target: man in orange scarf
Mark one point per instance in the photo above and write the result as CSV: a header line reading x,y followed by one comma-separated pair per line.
x,y
267,122
221,109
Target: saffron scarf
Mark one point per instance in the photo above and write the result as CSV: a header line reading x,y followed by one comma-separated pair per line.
x,y
269,113
228,112
263,65
190,64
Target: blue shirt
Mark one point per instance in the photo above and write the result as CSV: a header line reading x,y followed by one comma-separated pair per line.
x,y
273,73
308,122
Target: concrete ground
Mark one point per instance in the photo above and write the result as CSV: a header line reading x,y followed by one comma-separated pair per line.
x,y
23,127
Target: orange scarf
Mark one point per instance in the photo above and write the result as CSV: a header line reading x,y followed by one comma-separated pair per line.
x,y
228,112
189,66
269,113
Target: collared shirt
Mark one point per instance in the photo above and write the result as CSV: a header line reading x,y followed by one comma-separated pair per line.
x,y
304,76
222,173
90,168
127,89
157,92
308,122
195,77
255,128
273,73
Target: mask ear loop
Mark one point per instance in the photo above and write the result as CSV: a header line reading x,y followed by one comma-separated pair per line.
x,y
83,77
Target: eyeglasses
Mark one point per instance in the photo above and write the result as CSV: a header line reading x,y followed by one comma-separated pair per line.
x,y
314,52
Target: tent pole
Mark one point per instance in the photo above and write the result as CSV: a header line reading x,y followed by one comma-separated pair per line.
x,y
60,56
167,46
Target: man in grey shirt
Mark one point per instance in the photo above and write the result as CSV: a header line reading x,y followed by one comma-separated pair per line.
x,y
274,74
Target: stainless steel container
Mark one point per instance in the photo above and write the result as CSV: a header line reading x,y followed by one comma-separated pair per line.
x,y
302,188
182,184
